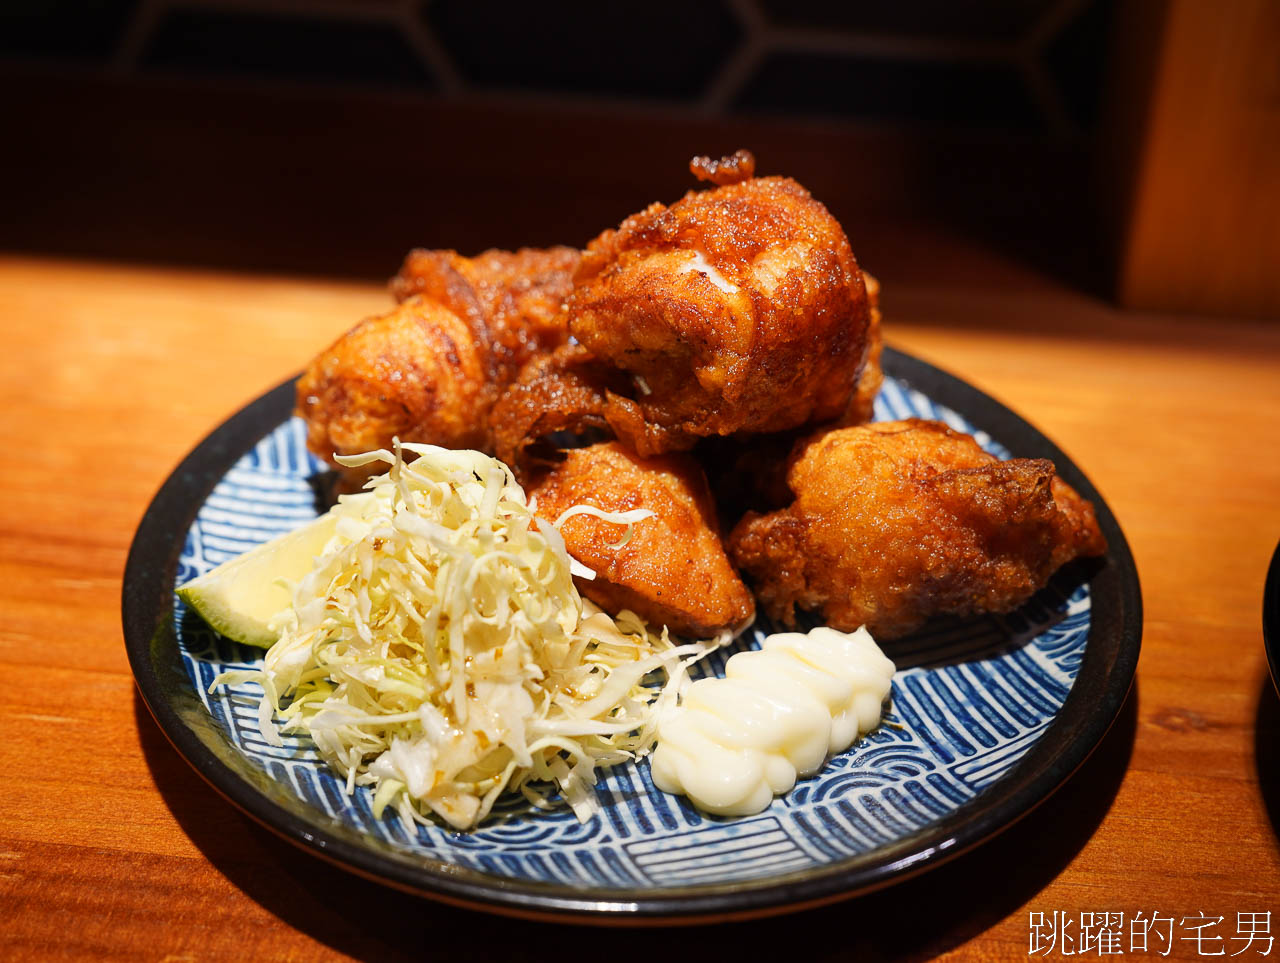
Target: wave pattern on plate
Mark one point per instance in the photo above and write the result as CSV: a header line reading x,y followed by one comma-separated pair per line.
x,y
970,698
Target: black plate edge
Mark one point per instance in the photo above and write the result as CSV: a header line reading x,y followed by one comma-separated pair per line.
x,y
1271,618
1101,687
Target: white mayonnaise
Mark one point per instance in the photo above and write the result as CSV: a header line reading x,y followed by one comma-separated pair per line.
x,y
778,713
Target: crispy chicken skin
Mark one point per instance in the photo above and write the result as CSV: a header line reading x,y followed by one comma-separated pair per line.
x,y
416,373
674,570
749,472
737,167
896,522
566,390
736,309
431,370
512,300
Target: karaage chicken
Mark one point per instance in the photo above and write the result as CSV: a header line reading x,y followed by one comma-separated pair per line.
x,y
416,373
673,571
567,390
513,301
737,309
735,321
431,370
896,522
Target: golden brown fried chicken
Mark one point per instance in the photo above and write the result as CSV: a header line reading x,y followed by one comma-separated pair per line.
x,y
735,309
513,301
750,472
738,309
417,373
674,570
430,370
896,522
566,390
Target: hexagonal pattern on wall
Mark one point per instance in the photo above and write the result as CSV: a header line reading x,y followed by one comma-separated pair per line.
x,y
1028,66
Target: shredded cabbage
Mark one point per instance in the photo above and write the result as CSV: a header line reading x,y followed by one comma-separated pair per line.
x,y
440,653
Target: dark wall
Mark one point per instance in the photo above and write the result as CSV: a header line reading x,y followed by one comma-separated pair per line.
x,y
329,137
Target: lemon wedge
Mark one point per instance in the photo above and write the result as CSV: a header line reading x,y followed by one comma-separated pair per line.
x,y
240,596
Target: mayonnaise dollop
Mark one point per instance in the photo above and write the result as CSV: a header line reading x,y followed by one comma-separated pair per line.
x,y
778,713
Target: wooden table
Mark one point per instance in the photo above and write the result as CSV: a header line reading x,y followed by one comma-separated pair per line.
x,y
111,847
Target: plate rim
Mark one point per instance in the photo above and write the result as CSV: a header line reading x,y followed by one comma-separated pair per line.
x,y
1271,618
1105,676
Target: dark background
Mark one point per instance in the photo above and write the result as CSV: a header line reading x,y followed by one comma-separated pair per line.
x,y
329,137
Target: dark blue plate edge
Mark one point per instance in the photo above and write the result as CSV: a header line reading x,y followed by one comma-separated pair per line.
x,y
1103,682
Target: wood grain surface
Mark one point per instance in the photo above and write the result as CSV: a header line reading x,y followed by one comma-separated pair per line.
x,y
112,848
1202,211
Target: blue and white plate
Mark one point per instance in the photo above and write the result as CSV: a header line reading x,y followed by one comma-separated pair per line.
x,y
988,716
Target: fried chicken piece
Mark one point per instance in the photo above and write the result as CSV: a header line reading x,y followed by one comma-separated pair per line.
x,y
567,390
895,522
738,309
750,473
417,373
674,570
431,370
513,301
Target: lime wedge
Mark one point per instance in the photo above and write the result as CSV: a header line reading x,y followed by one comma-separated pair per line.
x,y
240,596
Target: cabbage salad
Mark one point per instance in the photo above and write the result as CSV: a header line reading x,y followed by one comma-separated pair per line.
x,y
440,653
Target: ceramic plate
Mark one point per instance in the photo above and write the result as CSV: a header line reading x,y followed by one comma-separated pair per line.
x,y
988,716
